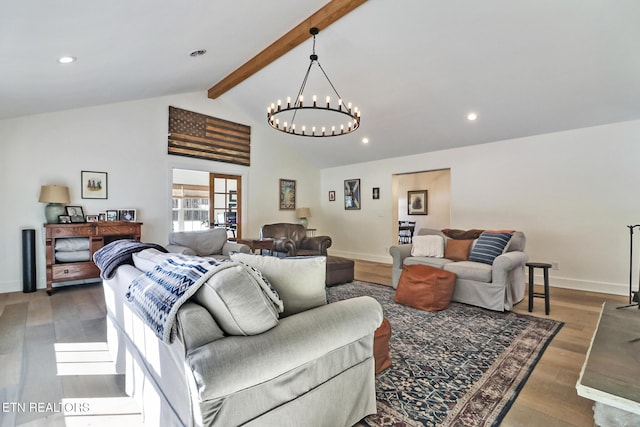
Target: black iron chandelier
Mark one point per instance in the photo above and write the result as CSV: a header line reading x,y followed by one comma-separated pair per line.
x,y
314,119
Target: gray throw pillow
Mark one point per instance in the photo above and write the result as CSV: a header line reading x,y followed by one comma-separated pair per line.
x,y
300,282
236,300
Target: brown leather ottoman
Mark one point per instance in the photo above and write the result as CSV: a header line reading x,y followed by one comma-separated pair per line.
x,y
425,287
339,270
381,346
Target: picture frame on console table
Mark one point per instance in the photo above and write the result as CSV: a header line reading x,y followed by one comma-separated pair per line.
x,y
127,215
93,184
112,215
417,202
75,213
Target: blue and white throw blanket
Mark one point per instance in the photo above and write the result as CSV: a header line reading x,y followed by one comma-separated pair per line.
x,y
111,256
158,294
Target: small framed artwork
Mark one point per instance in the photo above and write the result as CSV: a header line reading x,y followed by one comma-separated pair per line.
x,y
64,219
417,202
351,194
332,196
102,216
92,218
112,215
287,194
127,215
376,193
75,213
93,184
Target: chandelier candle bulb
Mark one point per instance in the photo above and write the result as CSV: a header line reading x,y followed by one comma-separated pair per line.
x,y
279,104
300,100
288,102
328,101
322,130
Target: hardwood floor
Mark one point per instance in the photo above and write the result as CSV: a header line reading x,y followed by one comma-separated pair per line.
x,y
52,350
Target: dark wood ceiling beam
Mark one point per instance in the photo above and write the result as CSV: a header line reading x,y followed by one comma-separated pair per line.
x,y
324,17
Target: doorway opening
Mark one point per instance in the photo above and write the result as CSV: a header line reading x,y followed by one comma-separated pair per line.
x,y
434,211
203,200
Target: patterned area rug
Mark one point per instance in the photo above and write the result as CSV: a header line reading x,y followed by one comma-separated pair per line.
x,y
463,366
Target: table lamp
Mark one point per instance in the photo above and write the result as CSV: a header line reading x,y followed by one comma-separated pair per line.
x,y
54,196
303,214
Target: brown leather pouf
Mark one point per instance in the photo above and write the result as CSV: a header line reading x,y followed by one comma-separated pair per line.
x,y
381,346
425,287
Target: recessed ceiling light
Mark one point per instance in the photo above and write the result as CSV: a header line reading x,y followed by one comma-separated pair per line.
x,y
199,52
67,59
365,140
472,116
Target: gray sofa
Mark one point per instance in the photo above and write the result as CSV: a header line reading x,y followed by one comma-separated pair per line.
x,y
497,286
313,368
210,243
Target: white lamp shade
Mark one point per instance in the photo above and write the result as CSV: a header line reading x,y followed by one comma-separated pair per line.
x,y
303,213
54,194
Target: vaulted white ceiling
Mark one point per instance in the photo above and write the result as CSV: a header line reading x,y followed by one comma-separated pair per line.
x,y
414,67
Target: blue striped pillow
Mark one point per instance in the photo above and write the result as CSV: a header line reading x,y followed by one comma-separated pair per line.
x,y
489,246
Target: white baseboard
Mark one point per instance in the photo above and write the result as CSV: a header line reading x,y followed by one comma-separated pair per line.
x,y
583,285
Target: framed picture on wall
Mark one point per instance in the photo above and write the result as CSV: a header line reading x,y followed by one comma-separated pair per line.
x,y
287,194
93,184
376,193
417,202
351,194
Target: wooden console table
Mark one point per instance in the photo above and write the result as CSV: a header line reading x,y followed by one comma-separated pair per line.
x,y
98,234
610,374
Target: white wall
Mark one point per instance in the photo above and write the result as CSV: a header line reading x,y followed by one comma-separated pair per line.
x,y
572,193
438,186
129,142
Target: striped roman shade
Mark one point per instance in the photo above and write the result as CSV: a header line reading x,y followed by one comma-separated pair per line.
x,y
196,135
489,246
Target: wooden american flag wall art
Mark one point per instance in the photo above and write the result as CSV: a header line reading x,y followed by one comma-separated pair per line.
x,y
197,135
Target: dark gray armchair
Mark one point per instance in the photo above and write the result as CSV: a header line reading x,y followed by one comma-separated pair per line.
x,y
292,240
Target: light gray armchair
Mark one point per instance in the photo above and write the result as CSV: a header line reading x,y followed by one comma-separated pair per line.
x,y
210,243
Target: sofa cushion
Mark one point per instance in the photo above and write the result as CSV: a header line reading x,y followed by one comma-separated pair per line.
x,y
458,250
147,259
236,300
424,260
469,270
489,246
425,288
205,242
428,245
299,281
